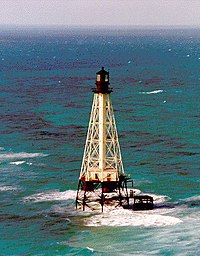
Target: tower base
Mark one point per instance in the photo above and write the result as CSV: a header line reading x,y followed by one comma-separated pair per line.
x,y
95,195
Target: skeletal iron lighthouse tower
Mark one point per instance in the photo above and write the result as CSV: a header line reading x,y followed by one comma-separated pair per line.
x,y
102,179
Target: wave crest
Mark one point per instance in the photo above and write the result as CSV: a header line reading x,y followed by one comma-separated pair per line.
x,y
51,196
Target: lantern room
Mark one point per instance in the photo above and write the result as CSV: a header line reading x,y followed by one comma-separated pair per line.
x,y
102,82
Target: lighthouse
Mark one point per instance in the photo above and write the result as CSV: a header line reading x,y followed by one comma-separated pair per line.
x,y
102,179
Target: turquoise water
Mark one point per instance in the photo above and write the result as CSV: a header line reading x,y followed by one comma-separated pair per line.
x,y
46,78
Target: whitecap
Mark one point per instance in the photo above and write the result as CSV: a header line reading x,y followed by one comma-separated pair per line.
x,y
8,188
152,92
20,156
18,162
51,196
90,249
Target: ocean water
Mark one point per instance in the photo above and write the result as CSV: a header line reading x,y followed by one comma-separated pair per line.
x,y
46,78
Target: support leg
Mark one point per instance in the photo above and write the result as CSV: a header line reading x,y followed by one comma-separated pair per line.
x,y
120,196
102,198
127,197
84,201
79,183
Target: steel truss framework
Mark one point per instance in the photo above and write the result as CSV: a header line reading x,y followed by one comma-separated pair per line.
x,y
102,168
113,159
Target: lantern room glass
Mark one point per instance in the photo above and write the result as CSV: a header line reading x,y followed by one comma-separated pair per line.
x,y
98,78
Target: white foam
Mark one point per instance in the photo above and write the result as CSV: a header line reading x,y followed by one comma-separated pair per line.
x,y
20,156
90,249
159,199
51,196
8,188
122,217
118,216
18,162
152,92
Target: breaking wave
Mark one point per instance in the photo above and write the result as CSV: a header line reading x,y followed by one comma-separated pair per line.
x,y
51,196
127,217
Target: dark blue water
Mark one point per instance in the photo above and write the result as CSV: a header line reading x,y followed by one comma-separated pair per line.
x,y
46,78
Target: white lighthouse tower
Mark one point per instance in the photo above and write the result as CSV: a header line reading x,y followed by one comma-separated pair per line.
x,y
102,178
